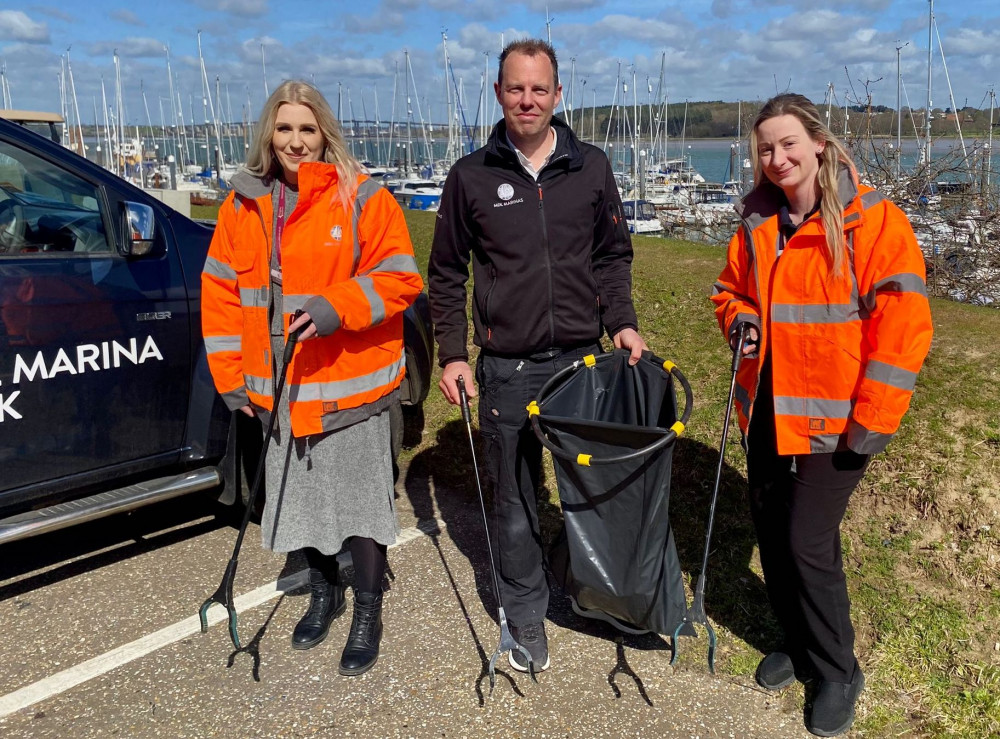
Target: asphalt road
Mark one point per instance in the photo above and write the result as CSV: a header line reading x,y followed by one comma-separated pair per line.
x,y
99,638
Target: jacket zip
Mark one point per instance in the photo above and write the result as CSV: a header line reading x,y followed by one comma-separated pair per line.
x,y
548,266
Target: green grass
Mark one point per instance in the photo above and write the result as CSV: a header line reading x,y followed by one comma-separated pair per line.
x,y
922,535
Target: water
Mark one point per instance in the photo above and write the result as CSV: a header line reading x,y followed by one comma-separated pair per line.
x,y
710,157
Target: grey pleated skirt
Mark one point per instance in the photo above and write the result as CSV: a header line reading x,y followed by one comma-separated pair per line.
x,y
325,488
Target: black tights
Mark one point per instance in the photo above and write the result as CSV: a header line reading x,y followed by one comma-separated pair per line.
x,y
369,564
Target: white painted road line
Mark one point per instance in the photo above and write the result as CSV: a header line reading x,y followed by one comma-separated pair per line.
x,y
104,663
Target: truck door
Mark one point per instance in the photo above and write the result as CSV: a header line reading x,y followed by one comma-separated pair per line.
x,y
94,346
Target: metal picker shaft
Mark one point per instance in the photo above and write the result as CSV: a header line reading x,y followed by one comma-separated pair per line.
x,y
507,641
224,594
696,613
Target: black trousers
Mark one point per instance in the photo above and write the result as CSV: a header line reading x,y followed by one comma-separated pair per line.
x,y
512,463
797,504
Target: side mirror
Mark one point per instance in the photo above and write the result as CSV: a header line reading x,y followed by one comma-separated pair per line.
x,y
138,229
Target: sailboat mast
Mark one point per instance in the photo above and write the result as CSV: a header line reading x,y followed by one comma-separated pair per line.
x,y
5,86
97,134
930,52
899,112
989,144
263,72
76,107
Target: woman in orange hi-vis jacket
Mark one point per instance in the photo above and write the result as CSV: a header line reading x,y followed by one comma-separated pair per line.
x,y
828,281
305,229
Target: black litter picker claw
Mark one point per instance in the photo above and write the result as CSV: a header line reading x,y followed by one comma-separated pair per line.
x,y
224,595
695,614
507,641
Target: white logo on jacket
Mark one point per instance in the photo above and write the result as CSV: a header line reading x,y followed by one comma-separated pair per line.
x,y
505,191
335,233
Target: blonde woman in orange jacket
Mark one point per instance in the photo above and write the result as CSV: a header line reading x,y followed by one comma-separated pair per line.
x,y
304,229
828,281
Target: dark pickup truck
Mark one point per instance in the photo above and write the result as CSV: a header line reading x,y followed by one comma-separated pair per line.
x,y
106,402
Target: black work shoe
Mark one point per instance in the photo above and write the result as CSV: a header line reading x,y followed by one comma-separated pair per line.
x,y
775,671
531,637
621,625
361,652
833,705
325,604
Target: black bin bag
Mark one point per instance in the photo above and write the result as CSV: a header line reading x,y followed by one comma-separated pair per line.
x,y
611,429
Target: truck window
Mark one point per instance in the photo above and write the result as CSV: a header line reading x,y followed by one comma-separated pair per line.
x,y
45,209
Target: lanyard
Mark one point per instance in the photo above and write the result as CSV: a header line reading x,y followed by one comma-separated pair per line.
x,y
280,225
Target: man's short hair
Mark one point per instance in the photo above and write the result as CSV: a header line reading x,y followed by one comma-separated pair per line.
x,y
529,47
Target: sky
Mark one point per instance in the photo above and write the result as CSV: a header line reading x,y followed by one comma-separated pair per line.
x,y
359,53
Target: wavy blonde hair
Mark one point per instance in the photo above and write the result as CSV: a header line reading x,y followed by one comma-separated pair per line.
x,y
834,156
261,160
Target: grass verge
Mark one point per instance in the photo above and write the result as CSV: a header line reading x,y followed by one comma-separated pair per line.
x,y
922,534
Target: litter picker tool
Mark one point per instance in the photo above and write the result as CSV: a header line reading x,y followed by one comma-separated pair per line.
x,y
507,642
224,595
696,612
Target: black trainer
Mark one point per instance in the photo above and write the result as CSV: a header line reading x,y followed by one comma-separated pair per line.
x,y
531,637
361,651
775,671
833,705
326,602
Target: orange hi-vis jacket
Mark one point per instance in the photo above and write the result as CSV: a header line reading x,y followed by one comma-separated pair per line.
x,y
845,350
353,272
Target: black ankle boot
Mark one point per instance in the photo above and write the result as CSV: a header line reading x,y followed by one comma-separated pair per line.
x,y
326,603
361,652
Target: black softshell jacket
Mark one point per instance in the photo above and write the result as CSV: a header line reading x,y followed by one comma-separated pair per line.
x,y
551,260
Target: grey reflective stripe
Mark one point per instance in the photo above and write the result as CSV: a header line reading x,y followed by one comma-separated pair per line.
x,y
824,443
292,303
871,198
789,405
375,301
255,297
366,189
888,374
396,263
215,268
852,218
259,385
814,313
743,397
345,388
718,288
865,441
906,282
223,343
756,220
748,239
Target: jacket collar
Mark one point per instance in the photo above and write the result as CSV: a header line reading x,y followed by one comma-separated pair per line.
x,y
313,176
567,145
766,201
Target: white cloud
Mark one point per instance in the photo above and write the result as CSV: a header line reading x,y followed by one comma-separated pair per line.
x,y
540,6
972,41
17,26
127,17
244,8
129,47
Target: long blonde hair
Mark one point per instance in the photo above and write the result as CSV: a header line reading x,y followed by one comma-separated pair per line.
x,y
834,156
261,160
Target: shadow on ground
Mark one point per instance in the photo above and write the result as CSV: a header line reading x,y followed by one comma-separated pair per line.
x,y
440,483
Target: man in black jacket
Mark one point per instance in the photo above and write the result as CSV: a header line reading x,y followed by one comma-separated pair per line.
x,y
538,213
